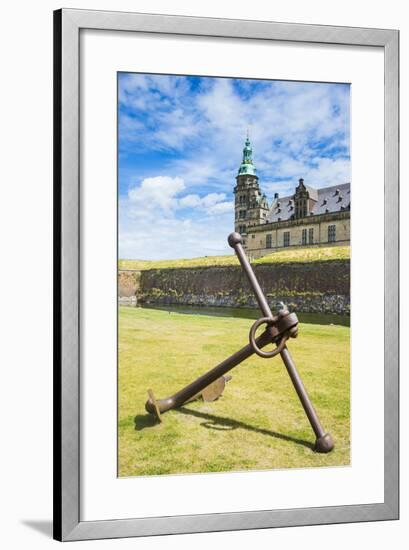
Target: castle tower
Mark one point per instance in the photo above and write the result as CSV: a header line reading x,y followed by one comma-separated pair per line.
x,y
250,205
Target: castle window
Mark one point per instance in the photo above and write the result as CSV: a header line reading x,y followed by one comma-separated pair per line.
x,y
304,237
268,241
300,208
242,214
331,234
286,238
311,235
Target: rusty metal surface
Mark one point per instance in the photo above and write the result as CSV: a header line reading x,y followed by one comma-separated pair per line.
x,y
214,390
155,407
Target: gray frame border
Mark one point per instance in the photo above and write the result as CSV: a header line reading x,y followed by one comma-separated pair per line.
x,y
67,25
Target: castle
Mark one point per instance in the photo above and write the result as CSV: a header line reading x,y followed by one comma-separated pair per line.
x,y
309,217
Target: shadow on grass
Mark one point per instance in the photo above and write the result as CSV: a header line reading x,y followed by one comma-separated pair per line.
x,y
143,421
213,422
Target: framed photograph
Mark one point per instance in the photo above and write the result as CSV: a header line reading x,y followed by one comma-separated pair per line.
x,y
226,274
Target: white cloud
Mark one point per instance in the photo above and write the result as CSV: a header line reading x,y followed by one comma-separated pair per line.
x,y
158,237
171,239
156,193
190,200
162,194
213,198
158,221
221,208
211,204
328,172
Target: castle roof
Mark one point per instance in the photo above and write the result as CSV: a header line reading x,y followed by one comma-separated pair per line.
x,y
247,167
326,200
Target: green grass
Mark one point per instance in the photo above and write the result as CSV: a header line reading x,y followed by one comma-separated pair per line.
x,y
258,423
301,254
206,261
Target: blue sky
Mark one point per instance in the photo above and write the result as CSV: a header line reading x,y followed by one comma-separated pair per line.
x,y
180,142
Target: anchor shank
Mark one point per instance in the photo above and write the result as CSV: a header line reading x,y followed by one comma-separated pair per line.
x,y
245,264
302,393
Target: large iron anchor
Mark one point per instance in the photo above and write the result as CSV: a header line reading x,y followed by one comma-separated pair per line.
x,y
278,330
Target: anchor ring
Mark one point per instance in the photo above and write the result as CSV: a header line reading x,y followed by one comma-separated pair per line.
x,y
252,338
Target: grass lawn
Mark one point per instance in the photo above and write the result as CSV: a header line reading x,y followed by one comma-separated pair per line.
x,y
258,423
302,254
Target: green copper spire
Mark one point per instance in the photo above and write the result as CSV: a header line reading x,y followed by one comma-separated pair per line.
x,y
247,167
